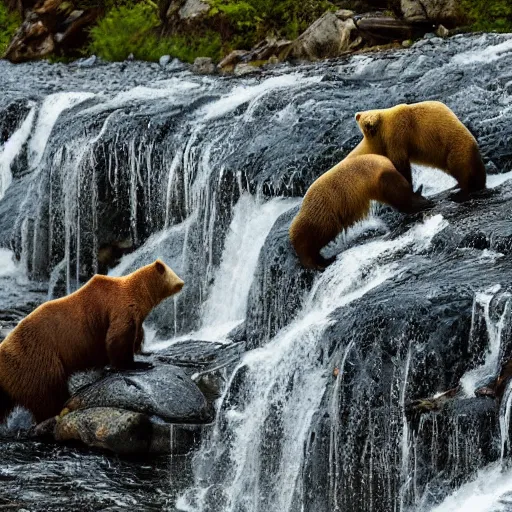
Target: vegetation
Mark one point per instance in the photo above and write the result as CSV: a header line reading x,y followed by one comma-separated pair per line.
x,y
9,23
489,15
134,26
253,20
132,29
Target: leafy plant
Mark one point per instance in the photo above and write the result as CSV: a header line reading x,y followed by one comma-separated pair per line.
x,y
131,29
9,23
489,15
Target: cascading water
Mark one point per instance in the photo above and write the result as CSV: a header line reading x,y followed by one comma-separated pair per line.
x,y
206,173
282,385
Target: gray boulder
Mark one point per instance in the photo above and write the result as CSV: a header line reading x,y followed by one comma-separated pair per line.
x,y
164,391
330,36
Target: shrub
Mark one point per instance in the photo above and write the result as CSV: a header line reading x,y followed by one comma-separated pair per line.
x,y
132,29
253,20
489,15
9,23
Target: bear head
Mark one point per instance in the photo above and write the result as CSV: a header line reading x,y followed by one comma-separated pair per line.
x,y
169,282
368,122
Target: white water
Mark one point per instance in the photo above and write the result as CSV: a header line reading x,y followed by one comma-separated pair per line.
x,y
483,494
51,109
12,148
286,375
252,221
471,379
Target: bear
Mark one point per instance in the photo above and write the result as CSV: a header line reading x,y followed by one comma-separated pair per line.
x,y
341,197
99,324
426,133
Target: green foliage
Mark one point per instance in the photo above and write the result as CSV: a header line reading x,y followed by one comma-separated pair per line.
x,y
9,23
253,20
131,29
489,15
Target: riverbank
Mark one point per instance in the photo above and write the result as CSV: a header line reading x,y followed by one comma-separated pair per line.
x,y
226,34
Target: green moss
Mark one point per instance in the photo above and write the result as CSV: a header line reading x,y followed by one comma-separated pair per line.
x,y
253,20
9,23
132,29
489,15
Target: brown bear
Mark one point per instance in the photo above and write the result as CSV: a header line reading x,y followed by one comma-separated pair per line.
x,y
426,133
99,324
341,197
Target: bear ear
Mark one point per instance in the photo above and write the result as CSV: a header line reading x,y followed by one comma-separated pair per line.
x,y
160,267
371,124
358,116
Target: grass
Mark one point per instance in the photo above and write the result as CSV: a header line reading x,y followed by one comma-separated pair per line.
x,y
489,15
9,23
132,29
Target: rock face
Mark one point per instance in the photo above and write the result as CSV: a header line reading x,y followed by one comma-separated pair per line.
x,y
447,12
330,36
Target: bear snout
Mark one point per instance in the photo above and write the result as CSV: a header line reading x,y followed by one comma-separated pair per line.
x,y
178,286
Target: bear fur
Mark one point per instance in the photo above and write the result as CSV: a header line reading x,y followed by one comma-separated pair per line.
x,y
341,197
426,133
99,324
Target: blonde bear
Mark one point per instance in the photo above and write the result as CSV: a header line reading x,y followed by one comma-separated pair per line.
x,y
426,133
341,197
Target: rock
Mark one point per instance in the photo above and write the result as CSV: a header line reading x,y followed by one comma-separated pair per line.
x,y
245,69
204,66
193,9
447,12
407,43
344,14
124,432
49,28
232,59
164,60
376,28
201,357
442,31
85,63
327,37
278,287
165,391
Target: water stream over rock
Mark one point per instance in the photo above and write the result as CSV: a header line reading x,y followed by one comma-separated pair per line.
x,y
206,173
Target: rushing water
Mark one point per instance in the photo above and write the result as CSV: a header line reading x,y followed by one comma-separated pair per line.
x,y
200,171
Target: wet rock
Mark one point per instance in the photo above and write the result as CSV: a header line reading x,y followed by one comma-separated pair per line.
x,y
124,432
279,285
204,66
165,391
196,356
330,36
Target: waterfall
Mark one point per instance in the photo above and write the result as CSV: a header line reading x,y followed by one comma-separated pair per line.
x,y
206,173
494,327
252,221
12,148
282,384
